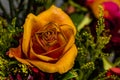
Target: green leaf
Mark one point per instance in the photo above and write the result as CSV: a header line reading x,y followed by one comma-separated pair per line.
x,y
86,20
12,62
2,73
69,75
107,64
77,18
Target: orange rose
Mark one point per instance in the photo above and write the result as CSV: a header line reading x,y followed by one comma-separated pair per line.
x,y
48,42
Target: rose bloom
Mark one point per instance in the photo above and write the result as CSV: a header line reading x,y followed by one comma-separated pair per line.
x,y
47,42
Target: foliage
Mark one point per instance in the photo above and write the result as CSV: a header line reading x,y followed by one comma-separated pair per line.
x,y
7,34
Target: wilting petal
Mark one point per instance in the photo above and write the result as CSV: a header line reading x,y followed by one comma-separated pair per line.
x,y
62,66
16,53
55,15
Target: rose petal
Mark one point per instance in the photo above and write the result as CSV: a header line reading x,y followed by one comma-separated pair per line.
x,y
42,57
30,27
53,54
55,51
12,52
62,66
36,70
115,70
24,61
58,40
113,9
61,39
68,33
67,61
55,15
36,46
17,53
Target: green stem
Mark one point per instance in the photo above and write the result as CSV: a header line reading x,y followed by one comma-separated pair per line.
x,y
76,5
84,22
11,6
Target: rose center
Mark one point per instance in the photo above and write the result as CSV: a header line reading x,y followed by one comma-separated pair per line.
x,y
47,38
50,36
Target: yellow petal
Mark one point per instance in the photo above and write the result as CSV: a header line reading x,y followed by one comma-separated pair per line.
x,y
42,57
62,66
67,61
30,27
55,15
24,61
67,31
17,54
70,43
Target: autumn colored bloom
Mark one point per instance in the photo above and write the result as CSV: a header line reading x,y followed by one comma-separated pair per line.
x,y
48,42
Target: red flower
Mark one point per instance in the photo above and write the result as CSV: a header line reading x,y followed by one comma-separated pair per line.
x,y
113,71
39,75
114,21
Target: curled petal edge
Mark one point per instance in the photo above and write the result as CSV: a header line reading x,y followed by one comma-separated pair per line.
x,y
62,66
60,17
42,57
28,28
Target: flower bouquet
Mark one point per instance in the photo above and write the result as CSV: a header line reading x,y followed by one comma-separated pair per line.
x,y
60,40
